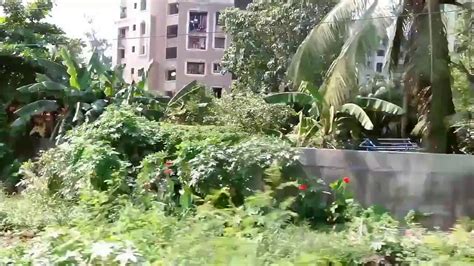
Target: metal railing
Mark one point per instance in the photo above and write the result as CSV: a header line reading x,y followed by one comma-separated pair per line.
x,y
389,144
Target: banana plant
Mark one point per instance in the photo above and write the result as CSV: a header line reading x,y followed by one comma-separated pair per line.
x,y
75,93
322,116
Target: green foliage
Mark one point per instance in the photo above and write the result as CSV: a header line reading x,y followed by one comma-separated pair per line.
x,y
25,30
240,166
462,72
260,232
191,105
252,114
342,44
426,75
317,119
80,93
122,152
96,156
265,37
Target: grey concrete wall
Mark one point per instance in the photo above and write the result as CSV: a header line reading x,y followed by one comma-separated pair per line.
x,y
439,184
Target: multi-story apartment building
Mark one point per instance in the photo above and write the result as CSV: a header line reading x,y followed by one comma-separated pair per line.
x,y
177,40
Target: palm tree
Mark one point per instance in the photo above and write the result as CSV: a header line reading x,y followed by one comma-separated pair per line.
x,y
355,27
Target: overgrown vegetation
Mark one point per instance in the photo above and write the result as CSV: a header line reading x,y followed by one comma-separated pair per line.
x,y
134,179
125,189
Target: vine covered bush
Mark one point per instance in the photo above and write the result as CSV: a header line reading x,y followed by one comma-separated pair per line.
x,y
123,153
252,114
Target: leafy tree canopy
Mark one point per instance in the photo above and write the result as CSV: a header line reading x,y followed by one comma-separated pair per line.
x,y
265,37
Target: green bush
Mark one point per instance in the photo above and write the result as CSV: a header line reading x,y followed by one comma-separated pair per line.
x,y
252,114
260,232
123,153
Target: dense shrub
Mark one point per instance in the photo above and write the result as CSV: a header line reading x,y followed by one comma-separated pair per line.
x,y
111,153
252,114
142,192
257,233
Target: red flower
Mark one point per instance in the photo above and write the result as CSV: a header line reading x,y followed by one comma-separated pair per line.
x,y
303,187
168,171
169,163
346,180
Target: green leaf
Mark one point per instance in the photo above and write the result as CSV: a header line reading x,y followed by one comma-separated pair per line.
x,y
309,88
337,37
52,69
188,89
72,69
185,199
109,91
299,98
37,107
48,88
378,105
95,64
324,39
420,128
359,114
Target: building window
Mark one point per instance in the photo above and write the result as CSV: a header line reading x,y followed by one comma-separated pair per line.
x,y
132,70
197,42
218,19
135,5
380,52
141,72
142,28
134,27
217,91
133,49
143,50
195,68
122,32
197,21
169,94
172,31
379,67
123,12
216,68
143,5
219,42
173,9
171,74
121,53
171,52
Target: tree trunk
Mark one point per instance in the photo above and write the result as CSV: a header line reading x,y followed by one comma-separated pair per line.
x,y
428,75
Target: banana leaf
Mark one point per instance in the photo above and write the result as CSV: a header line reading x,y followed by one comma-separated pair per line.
x,y
359,114
378,105
299,98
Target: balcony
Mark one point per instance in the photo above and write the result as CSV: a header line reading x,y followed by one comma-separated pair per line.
x,y
197,22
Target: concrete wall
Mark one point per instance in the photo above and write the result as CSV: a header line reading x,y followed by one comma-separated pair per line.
x,y
440,184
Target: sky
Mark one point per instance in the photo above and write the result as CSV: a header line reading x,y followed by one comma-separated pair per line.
x,y
73,15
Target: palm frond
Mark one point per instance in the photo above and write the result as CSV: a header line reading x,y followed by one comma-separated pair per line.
x,y
342,76
326,36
